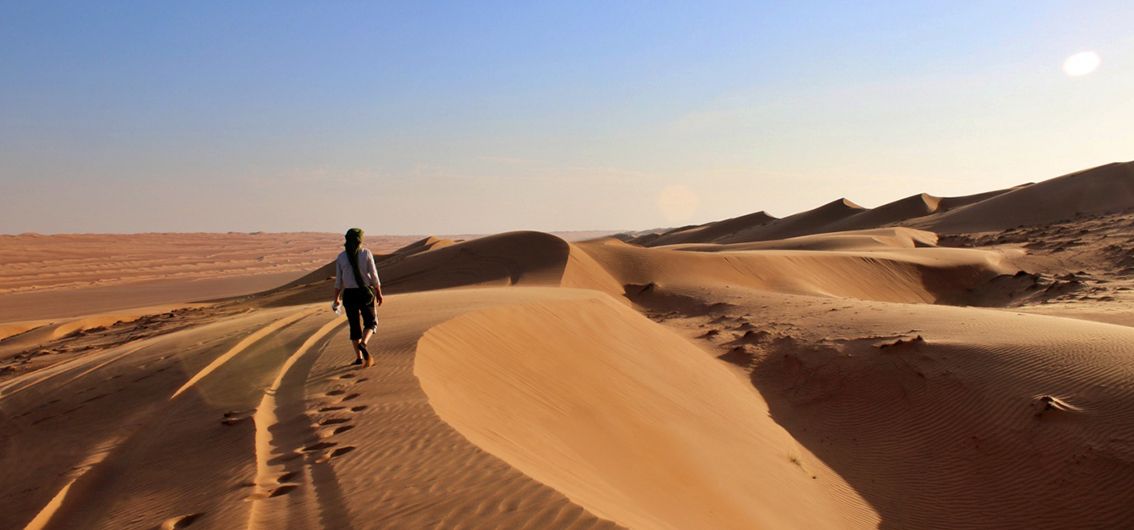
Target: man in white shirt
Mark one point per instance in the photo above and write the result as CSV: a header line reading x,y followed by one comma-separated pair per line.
x,y
357,288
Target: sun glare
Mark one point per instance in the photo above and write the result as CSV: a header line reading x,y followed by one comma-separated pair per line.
x,y
1081,64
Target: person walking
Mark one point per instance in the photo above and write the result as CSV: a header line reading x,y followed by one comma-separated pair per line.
x,y
358,289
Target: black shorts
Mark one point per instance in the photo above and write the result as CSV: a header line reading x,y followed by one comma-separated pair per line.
x,y
359,305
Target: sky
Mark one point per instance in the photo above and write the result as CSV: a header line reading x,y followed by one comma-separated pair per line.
x,y
478,117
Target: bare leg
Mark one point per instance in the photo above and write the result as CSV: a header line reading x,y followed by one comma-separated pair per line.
x,y
366,334
368,359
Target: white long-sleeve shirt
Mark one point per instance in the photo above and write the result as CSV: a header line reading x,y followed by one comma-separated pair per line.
x,y
344,276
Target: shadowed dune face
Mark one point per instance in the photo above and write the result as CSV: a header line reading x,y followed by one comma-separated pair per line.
x,y
514,258
942,416
711,231
970,415
809,222
916,206
917,275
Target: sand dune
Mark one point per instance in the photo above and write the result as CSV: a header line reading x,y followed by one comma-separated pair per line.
x,y
809,222
614,411
911,207
884,264
22,335
892,274
1105,189
943,416
514,258
760,226
908,209
815,371
874,239
1098,190
712,231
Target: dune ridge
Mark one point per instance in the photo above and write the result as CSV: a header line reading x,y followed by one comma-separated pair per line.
x,y
1097,190
1103,189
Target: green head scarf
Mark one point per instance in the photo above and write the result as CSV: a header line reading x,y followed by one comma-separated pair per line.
x,y
353,244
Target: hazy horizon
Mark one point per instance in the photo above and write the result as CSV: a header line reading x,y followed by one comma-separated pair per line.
x,y
471,119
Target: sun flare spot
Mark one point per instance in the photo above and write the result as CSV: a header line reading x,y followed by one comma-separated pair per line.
x,y
1081,64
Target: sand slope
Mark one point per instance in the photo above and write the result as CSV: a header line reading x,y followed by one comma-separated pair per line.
x,y
874,239
943,416
1092,191
916,206
622,416
809,222
179,430
1104,189
893,274
712,231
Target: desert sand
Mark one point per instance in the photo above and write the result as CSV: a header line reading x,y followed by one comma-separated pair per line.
x,y
962,362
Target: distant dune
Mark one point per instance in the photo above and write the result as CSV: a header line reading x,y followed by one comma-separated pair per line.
x,y
1094,191
1104,189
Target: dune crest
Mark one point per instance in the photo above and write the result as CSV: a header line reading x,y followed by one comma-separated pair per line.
x,y
1093,191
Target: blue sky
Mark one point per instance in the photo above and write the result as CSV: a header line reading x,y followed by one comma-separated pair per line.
x,y
488,116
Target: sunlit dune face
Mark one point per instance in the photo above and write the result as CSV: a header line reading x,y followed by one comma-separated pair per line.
x,y
1081,64
678,203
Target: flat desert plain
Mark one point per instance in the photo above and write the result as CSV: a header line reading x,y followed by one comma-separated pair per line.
x,y
935,362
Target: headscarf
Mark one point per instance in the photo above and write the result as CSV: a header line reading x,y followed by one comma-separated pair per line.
x,y
353,244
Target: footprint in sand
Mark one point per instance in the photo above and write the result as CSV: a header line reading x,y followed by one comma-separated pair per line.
x,y
286,477
327,433
333,421
319,446
334,454
347,376
233,417
331,409
286,457
358,408
181,521
351,396
283,490
338,392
